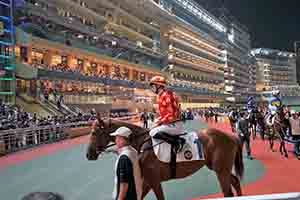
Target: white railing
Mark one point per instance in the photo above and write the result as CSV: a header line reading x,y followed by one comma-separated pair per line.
x,y
283,196
18,139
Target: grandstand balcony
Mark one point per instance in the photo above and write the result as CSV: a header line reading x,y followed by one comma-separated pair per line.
x,y
179,44
187,15
138,19
182,57
196,91
44,74
92,31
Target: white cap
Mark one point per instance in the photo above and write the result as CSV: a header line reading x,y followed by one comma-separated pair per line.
x,y
122,131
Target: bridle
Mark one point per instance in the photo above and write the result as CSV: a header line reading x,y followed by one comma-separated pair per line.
x,y
101,149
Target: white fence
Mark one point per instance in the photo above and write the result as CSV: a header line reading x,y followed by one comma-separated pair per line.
x,y
17,139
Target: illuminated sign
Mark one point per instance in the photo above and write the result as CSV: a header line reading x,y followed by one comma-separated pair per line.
x,y
1,28
202,15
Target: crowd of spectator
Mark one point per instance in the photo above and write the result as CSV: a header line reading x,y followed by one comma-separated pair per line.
x,y
13,117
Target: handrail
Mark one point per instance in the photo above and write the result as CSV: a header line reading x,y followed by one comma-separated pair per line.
x,y
22,138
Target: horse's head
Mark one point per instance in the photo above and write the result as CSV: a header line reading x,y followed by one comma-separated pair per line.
x,y
100,138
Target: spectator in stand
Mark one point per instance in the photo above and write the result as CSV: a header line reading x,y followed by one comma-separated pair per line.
x,y
46,95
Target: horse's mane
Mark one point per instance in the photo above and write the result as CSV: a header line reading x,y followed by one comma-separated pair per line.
x,y
135,128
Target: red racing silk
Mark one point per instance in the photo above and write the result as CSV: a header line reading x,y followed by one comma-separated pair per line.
x,y
168,107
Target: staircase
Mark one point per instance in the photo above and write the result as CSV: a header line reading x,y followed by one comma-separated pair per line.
x,y
31,107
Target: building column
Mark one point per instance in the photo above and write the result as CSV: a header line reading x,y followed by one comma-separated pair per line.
x,y
29,57
48,58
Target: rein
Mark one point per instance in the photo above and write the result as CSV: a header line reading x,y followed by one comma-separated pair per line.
x,y
104,149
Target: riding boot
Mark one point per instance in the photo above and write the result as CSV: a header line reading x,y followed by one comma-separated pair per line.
x,y
172,140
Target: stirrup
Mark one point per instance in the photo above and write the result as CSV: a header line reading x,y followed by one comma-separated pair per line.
x,y
180,144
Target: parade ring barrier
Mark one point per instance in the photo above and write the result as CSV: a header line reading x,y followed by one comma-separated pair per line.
x,y
18,139
283,196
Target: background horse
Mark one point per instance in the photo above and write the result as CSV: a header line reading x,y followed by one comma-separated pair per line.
x,y
277,130
222,152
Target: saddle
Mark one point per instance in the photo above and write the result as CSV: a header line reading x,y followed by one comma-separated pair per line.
x,y
177,143
186,147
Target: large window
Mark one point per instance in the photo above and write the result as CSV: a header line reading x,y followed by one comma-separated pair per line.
x,y
37,57
56,60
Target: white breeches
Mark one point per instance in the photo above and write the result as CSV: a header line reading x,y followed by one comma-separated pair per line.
x,y
176,128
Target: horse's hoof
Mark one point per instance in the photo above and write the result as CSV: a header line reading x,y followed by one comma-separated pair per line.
x,y
286,156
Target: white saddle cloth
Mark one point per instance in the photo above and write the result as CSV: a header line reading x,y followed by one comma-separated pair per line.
x,y
191,151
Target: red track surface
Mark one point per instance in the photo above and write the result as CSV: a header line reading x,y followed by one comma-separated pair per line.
x,y
282,175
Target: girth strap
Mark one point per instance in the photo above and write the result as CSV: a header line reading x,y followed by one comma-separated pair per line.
x,y
173,161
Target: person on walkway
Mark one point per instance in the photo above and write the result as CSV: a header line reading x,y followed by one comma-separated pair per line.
x,y
243,133
128,179
295,131
144,119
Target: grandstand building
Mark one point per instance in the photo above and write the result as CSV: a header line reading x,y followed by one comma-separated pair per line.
x,y
193,40
276,70
104,52
92,52
240,68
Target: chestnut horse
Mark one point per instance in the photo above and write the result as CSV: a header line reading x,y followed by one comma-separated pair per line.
x,y
222,152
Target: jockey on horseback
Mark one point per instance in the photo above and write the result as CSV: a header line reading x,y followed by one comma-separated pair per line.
x,y
167,127
274,104
251,104
251,107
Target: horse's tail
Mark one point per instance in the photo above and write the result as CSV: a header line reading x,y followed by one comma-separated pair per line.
x,y
238,162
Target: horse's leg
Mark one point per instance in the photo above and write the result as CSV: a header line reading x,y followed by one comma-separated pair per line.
x,y
146,189
262,134
158,191
280,148
225,183
235,182
271,139
284,149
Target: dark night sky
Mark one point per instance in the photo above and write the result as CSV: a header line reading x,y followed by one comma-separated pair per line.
x,y
272,23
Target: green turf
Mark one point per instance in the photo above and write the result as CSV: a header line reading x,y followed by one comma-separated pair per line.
x,y
69,173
